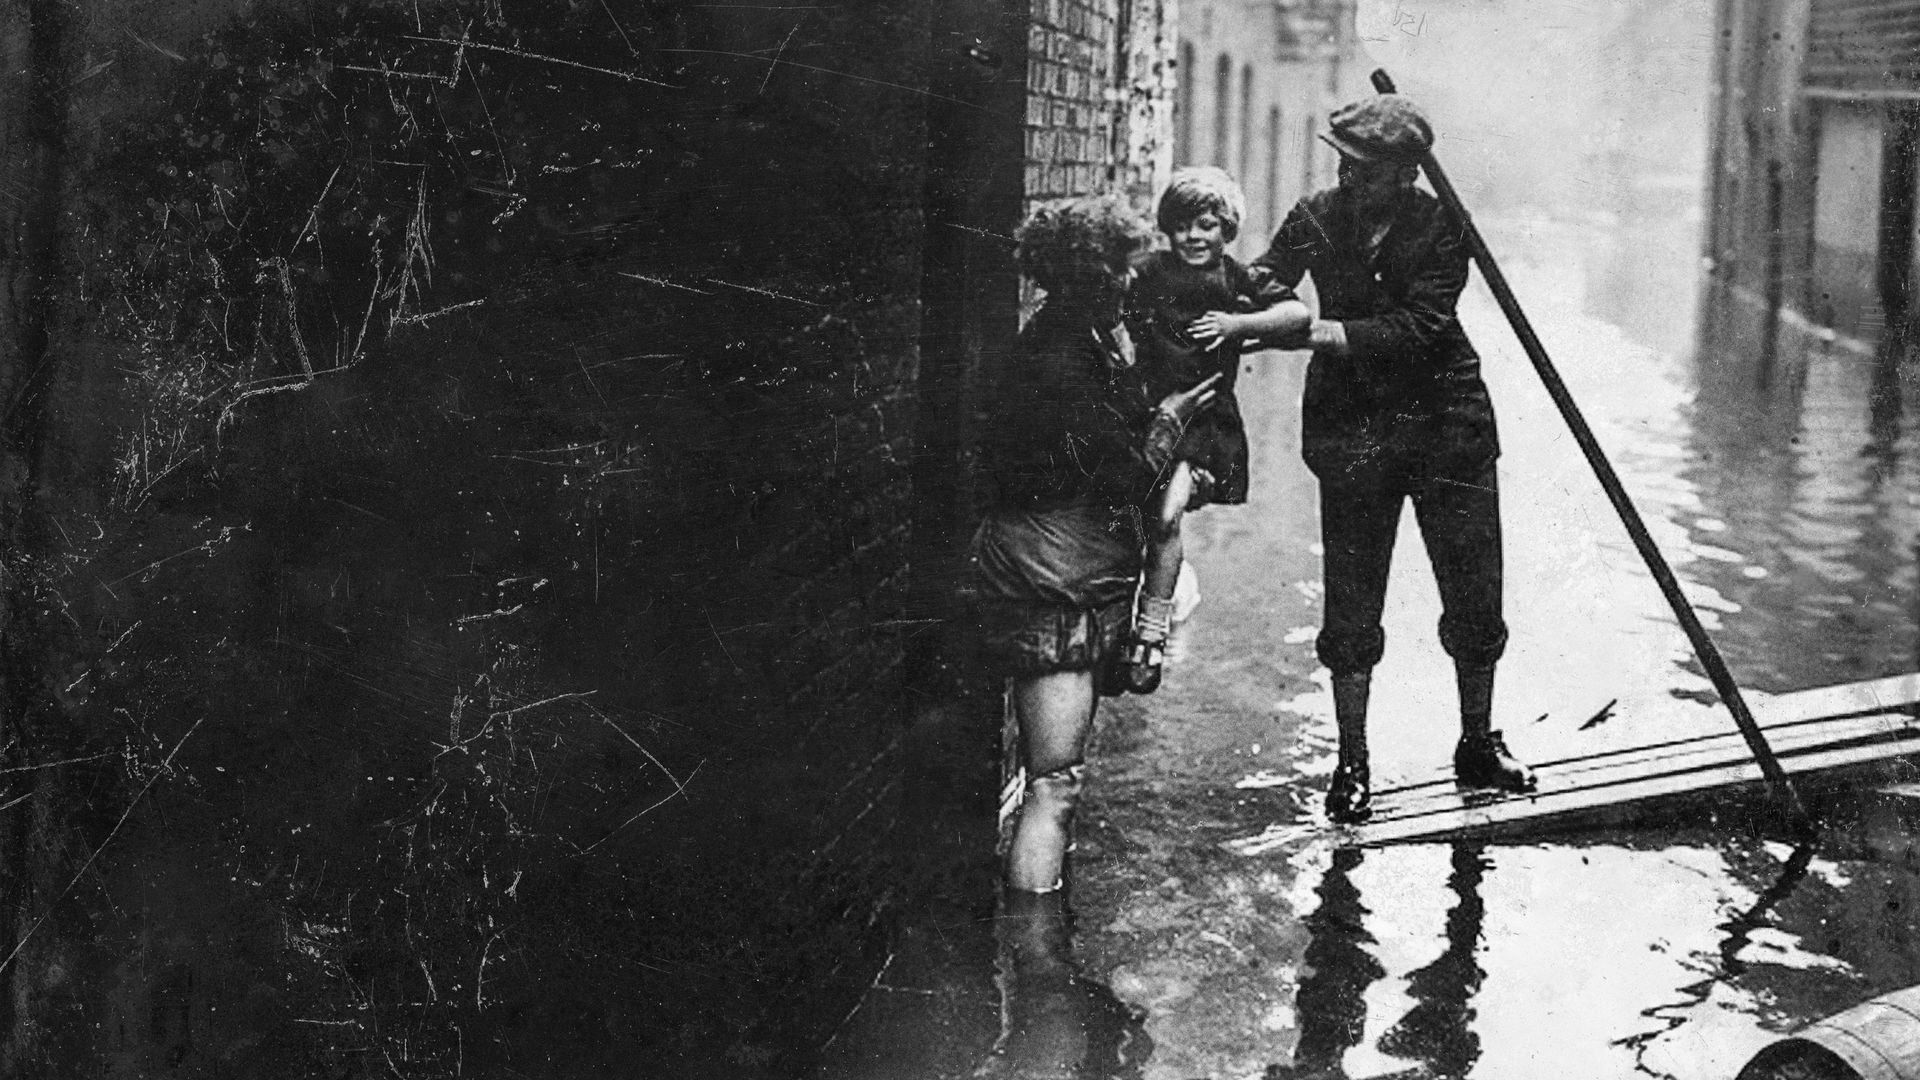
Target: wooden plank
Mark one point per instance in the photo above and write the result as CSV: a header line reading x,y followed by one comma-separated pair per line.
x,y
1812,731
1817,705
1787,740
1790,732
1510,813
1842,699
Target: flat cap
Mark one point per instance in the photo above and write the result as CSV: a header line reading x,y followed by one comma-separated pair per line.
x,y
1385,127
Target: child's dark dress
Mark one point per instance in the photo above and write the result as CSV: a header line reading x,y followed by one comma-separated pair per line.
x,y
1167,295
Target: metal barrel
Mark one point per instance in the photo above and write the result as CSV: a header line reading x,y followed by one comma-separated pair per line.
x,y
1876,1040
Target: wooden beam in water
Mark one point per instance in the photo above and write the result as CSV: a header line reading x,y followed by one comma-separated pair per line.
x,y
1814,732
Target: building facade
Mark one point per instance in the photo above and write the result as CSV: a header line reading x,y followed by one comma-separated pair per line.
x,y
1256,79
1813,164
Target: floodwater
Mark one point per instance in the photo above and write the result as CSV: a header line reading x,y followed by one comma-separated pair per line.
x,y
1215,930
1784,491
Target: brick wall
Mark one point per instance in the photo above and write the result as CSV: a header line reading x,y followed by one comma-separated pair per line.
x,y
559,622
552,624
1098,78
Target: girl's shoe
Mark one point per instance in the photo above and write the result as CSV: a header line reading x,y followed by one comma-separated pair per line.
x,y
1140,663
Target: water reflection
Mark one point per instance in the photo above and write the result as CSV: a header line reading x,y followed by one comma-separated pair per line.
x,y
1331,1003
1436,1035
1438,1030
1055,1023
1740,929
1811,472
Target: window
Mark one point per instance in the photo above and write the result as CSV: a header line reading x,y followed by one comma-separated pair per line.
x,y
1309,154
1273,168
1222,108
1183,107
1246,124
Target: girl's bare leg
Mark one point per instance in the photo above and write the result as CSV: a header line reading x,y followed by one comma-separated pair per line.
x,y
1055,712
1164,546
1154,619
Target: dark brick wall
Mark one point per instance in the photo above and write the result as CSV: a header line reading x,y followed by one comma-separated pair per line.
x,y
467,606
1094,71
470,542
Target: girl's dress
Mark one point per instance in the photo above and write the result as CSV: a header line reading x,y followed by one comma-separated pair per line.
x,y
1167,295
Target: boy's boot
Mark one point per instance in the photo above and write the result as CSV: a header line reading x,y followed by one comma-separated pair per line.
x,y
1350,793
1482,758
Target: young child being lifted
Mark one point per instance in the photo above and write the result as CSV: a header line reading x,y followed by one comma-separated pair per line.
x,y
1191,311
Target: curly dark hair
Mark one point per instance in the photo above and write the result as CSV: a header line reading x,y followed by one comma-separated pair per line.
x,y
1071,246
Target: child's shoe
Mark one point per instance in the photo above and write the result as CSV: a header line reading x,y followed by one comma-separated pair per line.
x,y
1140,664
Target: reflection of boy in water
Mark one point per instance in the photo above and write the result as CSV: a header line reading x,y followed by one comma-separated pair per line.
x,y
1395,410
1331,1002
1190,310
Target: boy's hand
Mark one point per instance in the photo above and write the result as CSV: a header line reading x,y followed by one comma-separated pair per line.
x,y
1328,336
1214,328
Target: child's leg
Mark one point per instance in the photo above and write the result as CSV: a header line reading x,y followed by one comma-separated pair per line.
x,y
1154,618
1164,553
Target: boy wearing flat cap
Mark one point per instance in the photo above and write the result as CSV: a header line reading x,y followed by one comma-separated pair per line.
x,y
1395,410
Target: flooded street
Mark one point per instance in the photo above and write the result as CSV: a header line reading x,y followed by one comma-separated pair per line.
x,y
1783,492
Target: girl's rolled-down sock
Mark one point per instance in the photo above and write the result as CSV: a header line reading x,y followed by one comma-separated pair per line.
x,y
1186,599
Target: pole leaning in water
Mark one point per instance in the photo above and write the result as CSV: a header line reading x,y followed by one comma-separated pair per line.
x,y
1703,646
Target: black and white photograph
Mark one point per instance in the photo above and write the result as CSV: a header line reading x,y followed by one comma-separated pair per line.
x,y
960,540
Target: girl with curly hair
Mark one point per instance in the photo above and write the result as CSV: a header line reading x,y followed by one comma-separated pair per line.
x,y
1057,555
1193,310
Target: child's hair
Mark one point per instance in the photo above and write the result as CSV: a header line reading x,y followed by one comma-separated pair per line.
x,y
1070,245
1202,189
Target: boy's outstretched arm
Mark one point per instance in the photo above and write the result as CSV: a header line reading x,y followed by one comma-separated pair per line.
x,y
1284,320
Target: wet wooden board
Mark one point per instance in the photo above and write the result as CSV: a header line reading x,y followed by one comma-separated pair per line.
x,y
1814,733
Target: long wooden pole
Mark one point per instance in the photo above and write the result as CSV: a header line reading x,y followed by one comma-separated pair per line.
x,y
1703,646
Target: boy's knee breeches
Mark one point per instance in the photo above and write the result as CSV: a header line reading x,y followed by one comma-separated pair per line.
x,y
1354,650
